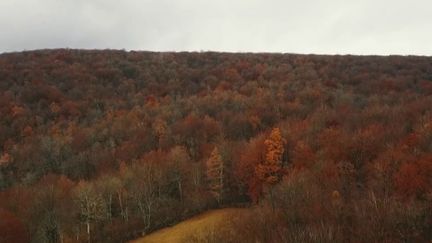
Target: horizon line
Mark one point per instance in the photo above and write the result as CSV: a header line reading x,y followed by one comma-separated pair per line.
x,y
217,51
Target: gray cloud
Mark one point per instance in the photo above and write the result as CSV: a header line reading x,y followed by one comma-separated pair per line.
x,y
307,26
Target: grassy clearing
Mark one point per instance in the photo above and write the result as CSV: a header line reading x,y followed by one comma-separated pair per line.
x,y
195,227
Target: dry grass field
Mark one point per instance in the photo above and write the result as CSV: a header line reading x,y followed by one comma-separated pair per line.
x,y
195,228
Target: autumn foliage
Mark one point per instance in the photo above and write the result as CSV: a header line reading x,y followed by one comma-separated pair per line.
x,y
11,228
215,174
104,146
270,171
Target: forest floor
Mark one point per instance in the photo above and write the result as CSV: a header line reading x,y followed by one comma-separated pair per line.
x,y
195,228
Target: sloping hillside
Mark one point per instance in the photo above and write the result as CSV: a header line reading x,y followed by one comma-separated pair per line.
x,y
99,146
196,228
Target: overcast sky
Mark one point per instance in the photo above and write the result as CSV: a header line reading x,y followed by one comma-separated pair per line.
x,y
303,26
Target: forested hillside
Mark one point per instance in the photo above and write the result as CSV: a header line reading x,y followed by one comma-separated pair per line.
x,y
104,146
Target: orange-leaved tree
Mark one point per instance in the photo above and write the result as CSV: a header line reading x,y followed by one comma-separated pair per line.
x,y
270,171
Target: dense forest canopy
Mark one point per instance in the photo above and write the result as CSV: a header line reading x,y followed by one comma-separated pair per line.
x,y
105,145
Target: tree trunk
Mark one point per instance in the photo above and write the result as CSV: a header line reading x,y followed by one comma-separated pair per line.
x,y
272,199
180,190
88,231
110,208
78,232
122,211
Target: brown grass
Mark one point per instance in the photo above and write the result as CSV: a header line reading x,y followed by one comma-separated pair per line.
x,y
213,220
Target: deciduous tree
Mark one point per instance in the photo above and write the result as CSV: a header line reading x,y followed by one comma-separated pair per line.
x,y
215,174
270,171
